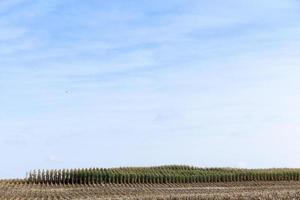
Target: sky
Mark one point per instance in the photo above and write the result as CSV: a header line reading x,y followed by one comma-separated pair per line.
x,y
99,83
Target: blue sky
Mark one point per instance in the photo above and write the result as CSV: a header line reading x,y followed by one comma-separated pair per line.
x,y
137,83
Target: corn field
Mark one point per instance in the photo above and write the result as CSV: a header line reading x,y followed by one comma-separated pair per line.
x,y
271,190
158,175
154,183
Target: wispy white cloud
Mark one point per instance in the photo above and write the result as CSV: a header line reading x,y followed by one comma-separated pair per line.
x,y
209,77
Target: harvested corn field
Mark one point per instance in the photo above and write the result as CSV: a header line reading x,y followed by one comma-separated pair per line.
x,y
18,190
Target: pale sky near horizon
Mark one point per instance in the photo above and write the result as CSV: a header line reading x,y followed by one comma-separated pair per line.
x,y
101,83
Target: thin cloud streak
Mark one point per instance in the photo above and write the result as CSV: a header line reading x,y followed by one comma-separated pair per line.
x,y
204,83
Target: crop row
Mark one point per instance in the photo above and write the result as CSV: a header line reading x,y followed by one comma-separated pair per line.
x,y
159,175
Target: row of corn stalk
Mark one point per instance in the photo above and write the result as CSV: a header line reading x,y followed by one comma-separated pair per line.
x,y
159,175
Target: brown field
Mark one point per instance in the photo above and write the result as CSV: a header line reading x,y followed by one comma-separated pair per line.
x,y
18,190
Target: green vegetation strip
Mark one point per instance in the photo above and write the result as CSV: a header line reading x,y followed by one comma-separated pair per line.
x,y
172,174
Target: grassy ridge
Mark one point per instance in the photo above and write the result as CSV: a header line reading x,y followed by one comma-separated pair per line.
x,y
159,175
